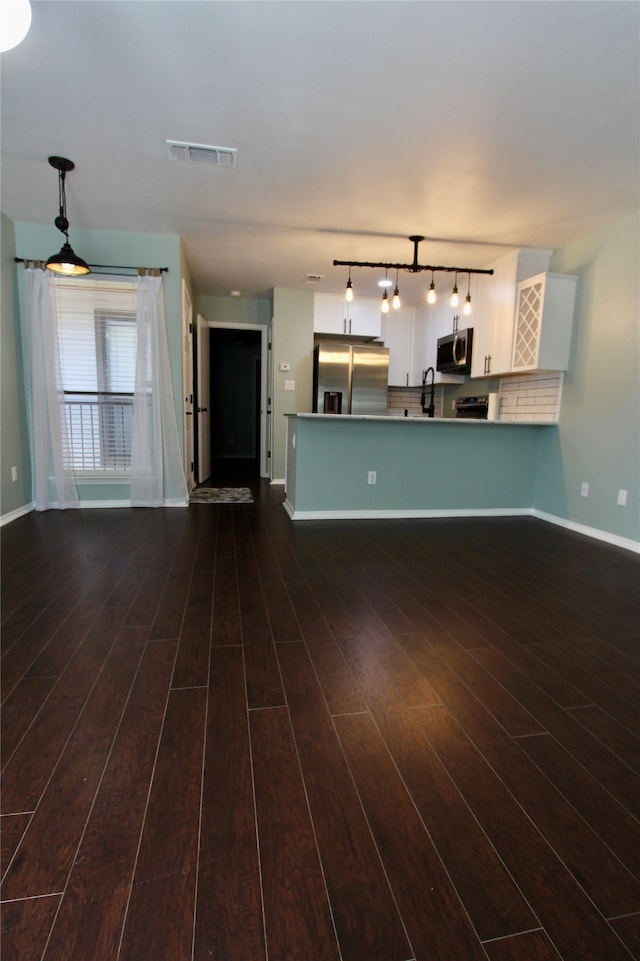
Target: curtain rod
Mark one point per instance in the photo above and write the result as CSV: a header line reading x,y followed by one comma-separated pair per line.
x,y
163,270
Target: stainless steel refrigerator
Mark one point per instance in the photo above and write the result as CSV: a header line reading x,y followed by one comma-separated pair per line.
x,y
350,378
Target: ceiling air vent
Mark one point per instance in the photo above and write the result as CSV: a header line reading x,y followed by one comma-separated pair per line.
x,y
201,153
313,278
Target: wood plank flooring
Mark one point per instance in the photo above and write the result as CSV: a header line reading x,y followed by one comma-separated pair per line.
x,y
228,737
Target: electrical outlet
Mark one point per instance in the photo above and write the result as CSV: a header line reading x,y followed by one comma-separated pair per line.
x,y
584,489
14,475
372,477
622,498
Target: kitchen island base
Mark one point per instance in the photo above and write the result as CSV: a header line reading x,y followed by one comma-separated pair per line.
x,y
388,467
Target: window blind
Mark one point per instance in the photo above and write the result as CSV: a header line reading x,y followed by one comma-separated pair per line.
x,y
97,332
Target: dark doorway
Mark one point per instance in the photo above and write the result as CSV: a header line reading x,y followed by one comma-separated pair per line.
x,y
235,405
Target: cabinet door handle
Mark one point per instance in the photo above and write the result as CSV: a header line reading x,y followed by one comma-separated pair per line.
x,y
487,364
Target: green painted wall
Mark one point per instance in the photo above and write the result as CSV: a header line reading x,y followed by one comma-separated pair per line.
x,y
419,465
233,310
13,424
598,439
292,343
37,242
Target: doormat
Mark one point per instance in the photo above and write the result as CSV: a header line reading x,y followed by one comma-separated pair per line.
x,y
220,495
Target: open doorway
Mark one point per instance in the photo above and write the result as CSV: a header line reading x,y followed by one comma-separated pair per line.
x,y
232,393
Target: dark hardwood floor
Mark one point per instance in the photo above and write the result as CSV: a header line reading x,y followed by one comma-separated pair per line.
x,y
227,736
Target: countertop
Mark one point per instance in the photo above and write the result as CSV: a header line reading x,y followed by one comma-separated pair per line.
x,y
383,418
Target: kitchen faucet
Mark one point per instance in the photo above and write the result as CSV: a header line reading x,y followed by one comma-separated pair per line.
x,y
430,410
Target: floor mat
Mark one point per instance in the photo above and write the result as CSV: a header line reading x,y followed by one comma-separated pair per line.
x,y
220,495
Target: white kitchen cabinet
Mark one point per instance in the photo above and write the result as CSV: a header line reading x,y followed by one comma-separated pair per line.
x,y
543,322
333,315
397,334
494,300
432,322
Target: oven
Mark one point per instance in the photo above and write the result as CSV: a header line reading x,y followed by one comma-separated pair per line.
x,y
473,408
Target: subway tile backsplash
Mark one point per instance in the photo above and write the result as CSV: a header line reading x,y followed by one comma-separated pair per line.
x,y
531,397
400,399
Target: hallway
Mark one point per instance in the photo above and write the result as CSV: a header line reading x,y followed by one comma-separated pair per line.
x,y
227,736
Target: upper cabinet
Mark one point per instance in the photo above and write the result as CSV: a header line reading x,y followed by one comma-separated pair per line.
x,y
543,321
397,334
333,315
432,322
494,303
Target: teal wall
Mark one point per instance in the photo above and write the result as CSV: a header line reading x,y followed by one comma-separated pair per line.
x,y
13,424
292,343
37,242
598,438
420,465
233,310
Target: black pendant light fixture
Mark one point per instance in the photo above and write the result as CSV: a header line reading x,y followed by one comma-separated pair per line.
x,y
66,261
413,268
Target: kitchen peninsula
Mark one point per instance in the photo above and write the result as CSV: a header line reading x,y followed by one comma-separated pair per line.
x,y
380,466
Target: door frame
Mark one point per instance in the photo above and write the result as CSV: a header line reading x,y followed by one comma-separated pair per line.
x,y
188,426
265,385
203,394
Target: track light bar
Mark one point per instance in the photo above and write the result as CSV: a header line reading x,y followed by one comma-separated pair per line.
x,y
414,267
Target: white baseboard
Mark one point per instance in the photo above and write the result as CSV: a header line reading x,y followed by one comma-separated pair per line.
x,y
625,542
617,541
277,480
14,515
400,513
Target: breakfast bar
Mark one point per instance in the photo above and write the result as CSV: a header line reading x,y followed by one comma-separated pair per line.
x,y
361,466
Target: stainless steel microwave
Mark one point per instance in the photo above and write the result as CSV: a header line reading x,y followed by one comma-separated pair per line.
x,y
454,352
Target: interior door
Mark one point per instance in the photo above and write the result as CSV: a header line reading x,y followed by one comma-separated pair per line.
x,y
187,385
203,393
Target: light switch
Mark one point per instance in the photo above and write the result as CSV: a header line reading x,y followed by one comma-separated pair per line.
x,y
289,385
285,367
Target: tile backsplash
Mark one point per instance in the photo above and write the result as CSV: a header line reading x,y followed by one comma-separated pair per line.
x,y
400,399
531,397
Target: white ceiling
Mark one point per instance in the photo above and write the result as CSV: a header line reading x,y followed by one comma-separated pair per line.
x,y
482,125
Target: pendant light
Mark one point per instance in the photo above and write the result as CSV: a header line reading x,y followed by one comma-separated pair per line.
x,y
385,303
395,303
65,262
454,293
349,291
431,296
467,301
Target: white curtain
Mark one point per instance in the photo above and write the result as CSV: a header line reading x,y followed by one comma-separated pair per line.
x,y
52,483
157,472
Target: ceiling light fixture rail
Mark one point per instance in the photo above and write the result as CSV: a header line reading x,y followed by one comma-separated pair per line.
x,y
413,268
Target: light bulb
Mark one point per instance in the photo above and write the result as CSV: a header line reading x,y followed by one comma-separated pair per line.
x,y
454,296
16,20
431,296
385,303
395,303
467,305
349,293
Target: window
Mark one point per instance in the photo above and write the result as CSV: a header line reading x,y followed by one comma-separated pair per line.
x,y
97,330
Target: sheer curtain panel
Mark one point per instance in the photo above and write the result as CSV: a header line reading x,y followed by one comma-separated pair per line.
x,y
53,485
157,473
